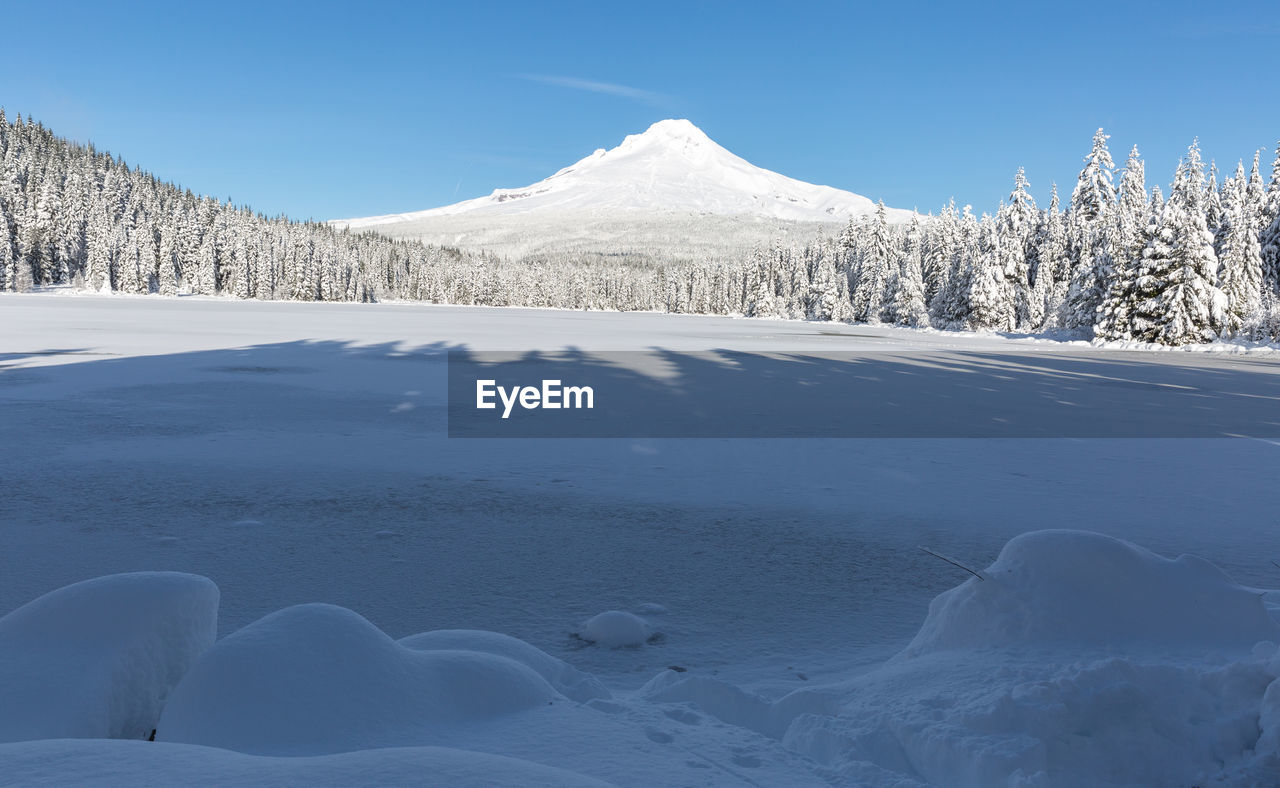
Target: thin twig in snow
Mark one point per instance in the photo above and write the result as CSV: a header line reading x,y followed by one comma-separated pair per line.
x,y
954,562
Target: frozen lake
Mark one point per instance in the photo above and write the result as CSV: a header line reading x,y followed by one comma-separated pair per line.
x,y
297,452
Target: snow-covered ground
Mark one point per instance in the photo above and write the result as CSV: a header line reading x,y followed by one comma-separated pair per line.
x,y
295,453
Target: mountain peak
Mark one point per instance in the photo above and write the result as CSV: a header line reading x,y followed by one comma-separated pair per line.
x,y
671,168
672,134
676,129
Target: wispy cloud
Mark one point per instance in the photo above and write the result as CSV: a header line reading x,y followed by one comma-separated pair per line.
x,y
520,162
575,83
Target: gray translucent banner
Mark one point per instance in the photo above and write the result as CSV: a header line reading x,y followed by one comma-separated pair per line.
x,y
873,394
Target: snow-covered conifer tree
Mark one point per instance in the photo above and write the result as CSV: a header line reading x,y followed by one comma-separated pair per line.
x,y
761,301
1256,191
823,288
1094,193
1091,203
1130,224
1240,255
1015,224
908,306
876,263
1178,302
1269,241
990,305
1213,207
1269,224
951,308
939,247
1053,266
8,260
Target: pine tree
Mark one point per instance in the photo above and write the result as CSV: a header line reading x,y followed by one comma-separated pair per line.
x,y
1269,222
823,288
206,266
1213,214
1178,302
1094,193
1256,191
951,309
1131,221
1015,224
1090,236
1269,241
842,310
98,236
990,306
1240,255
939,246
167,259
8,261
873,271
908,306
761,301
127,263
1053,267
70,225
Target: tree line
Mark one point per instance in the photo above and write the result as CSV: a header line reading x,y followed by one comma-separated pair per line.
x,y
1118,262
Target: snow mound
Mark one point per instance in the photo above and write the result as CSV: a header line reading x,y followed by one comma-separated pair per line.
x,y
76,763
98,658
316,679
1268,746
615,629
1086,589
566,679
734,706
967,719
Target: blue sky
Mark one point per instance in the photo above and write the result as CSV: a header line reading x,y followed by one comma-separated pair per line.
x,y
332,110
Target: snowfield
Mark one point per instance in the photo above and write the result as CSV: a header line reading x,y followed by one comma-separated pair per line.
x,y
241,524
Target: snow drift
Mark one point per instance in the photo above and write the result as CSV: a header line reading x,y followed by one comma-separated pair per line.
x,y
98,658
316,678
90,763
1083,588
1080,660
982,718
566,679
733,705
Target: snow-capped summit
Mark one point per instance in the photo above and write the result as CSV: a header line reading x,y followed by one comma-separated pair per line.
x,y
673,168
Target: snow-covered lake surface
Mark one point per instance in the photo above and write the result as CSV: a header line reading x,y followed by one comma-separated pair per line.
x,y
297,453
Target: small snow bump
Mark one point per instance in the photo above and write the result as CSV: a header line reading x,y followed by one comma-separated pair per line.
x,y
616,629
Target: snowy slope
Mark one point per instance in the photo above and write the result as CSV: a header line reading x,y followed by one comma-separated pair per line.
x,y
672,167
670,180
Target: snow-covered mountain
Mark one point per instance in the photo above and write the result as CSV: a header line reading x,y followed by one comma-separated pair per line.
x,y
671,190
673,167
